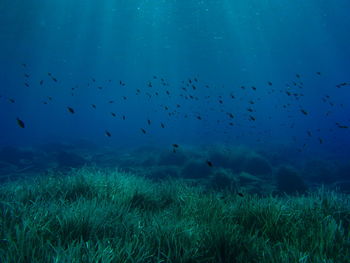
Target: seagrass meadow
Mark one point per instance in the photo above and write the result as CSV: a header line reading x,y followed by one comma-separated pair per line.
x,y
94,215
174,131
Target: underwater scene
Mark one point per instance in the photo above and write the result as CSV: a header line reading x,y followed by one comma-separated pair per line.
x,y
174,131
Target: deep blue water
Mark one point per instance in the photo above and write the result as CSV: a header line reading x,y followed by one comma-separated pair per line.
x,y
89,47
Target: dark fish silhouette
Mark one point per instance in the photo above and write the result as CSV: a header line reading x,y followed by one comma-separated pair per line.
x,y
209,163
71,110
304,111
20,123
341,126
108,134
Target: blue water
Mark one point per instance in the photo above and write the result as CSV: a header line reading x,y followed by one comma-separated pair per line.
x,y
223,44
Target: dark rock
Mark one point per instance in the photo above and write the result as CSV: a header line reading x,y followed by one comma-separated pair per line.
x,y
163,172
257,165
317,171
68,159
196,169
171,158
222,181
288,181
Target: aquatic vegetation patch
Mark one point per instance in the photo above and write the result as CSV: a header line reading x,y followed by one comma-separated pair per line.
x,y
93,215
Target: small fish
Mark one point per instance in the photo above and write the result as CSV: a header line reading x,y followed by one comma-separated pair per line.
x,y
341,126
12,100
20,123
318,73
149,122
108,134
113,114
143,131
253,88
240,194
252,118
123,117
93,105
41,82
209,163
71,110
269,83
162,125
304,112
26,75
175,145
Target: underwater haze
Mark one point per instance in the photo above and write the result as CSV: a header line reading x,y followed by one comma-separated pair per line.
x,y
174,131
223,44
